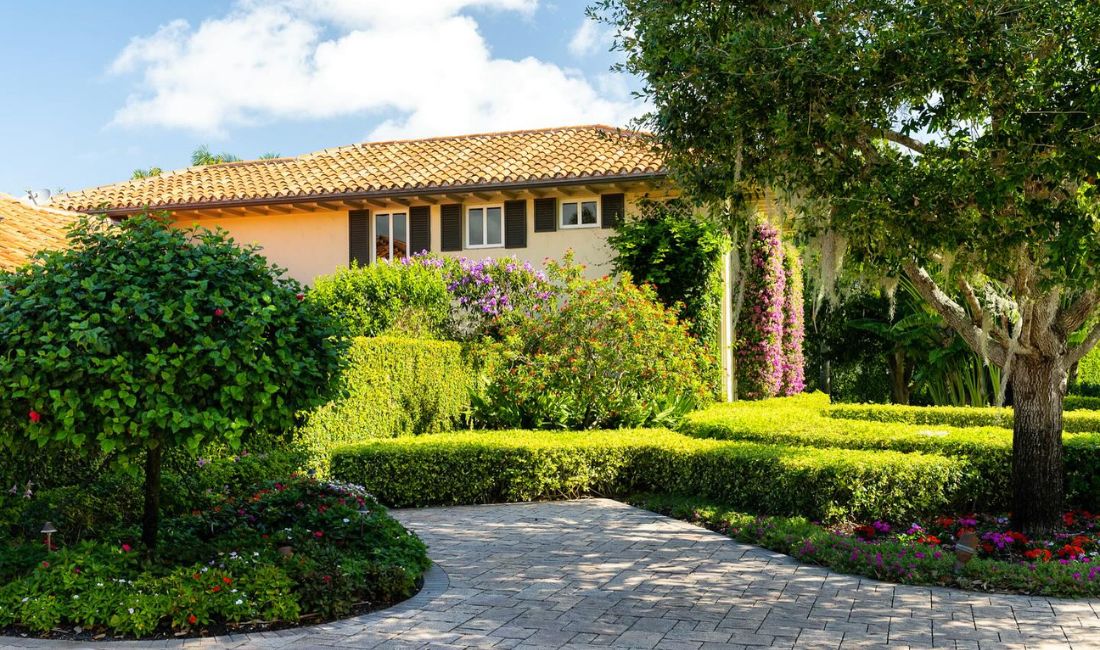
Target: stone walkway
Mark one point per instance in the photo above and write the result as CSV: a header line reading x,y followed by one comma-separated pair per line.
x,y
597,573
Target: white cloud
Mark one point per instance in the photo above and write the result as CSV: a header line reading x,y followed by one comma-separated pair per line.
x,y
587,39
422,61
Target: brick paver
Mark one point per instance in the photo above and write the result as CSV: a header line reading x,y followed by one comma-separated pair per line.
x,y
597,574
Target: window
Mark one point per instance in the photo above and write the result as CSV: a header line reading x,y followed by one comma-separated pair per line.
x,y
391,236
579,214
485,226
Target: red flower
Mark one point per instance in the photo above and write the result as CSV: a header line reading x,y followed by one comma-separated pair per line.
x,y
126,548
929,539
197,576
1080,540
45,564
227,580
1068,519
219,312
216,589
1069,550
864,532
318,534
300,297
1019,538
192,619
1038,554
34,416
327,579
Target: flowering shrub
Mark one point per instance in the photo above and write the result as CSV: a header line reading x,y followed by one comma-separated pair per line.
x,y
490,293
272,552
760,350
794,327
609,355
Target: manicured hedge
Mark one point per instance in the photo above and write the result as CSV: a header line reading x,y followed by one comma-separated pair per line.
x,y
509,466
395,387
958,416
1081,402
801,420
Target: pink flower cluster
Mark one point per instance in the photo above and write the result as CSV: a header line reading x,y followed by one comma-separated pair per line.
x,y
771,331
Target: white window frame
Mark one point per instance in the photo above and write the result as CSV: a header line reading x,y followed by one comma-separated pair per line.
x,y
484,207
389,219
578,201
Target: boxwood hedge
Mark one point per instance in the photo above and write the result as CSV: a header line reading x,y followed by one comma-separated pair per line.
x,y
396,386
1073,421
509,466
808,420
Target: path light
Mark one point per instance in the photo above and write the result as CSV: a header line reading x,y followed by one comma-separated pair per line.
x,y
364,512
965,549
48,530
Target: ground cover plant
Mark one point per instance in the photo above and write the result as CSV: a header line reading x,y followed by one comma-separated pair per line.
x,y
919,552
245,556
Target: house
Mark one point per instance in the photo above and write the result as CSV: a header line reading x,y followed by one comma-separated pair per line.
x,y
26,229
529,194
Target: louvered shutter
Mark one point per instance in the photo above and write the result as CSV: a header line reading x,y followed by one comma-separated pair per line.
x,y
450,227
515,224
546,215
613,206
359,237
420,229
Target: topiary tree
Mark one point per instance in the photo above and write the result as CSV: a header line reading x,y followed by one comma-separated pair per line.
x,y
794,326
141,337
952,142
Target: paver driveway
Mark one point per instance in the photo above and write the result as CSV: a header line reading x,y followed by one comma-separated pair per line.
x,y
599,573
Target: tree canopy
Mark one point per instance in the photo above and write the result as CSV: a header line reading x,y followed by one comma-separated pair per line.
x,y
954,142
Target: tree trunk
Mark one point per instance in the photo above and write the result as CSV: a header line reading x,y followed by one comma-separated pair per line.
x,y
1038,481
150,521
899,377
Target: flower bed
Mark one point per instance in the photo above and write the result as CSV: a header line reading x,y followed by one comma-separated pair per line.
x,y
922,553
277,554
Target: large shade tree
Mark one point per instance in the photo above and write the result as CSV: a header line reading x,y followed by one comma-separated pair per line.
x,y
140,338
957,143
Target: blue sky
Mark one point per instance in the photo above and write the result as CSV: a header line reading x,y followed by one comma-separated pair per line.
x,y
94,90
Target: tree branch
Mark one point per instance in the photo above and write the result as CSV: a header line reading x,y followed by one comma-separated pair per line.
x,y
908,142
954,314
972,301
1076,354
1076,315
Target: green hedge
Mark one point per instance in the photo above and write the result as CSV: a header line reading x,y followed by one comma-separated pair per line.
x,y
1081,403
1088,374
509,466
802,420
1073,421
395,387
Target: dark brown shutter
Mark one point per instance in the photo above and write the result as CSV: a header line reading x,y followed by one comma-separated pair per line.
x,y
515,224
420,229
613,206
546,215
359,237
450,227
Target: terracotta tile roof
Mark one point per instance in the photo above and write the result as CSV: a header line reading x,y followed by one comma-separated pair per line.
x,y
26,229
511,159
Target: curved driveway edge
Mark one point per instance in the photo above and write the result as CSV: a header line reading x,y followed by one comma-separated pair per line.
x,y
598,573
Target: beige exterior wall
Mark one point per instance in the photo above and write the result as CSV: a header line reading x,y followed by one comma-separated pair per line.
x,y
309,244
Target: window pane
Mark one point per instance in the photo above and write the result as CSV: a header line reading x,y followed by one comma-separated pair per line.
x,y
381,236
400,236
475,227
494,228
568,214
588,212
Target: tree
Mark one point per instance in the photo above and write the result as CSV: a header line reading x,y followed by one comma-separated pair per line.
x,y
142,337
146,173
955,143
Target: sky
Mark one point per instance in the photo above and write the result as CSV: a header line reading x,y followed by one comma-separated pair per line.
x,y
92,90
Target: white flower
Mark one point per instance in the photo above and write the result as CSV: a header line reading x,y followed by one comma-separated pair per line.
x,y
240,602
346,520
131,610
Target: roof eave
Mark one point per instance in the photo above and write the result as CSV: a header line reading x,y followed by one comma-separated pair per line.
x,y
379,194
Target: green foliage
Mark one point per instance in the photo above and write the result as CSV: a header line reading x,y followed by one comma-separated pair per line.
x,y
202,156
912,563
955,416
226,567
805,421
385,298
1088,375
142,337
492,467
668,246
610,355
1081,402
395,387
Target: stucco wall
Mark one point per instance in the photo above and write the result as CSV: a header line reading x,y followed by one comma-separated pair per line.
x,y
316,243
